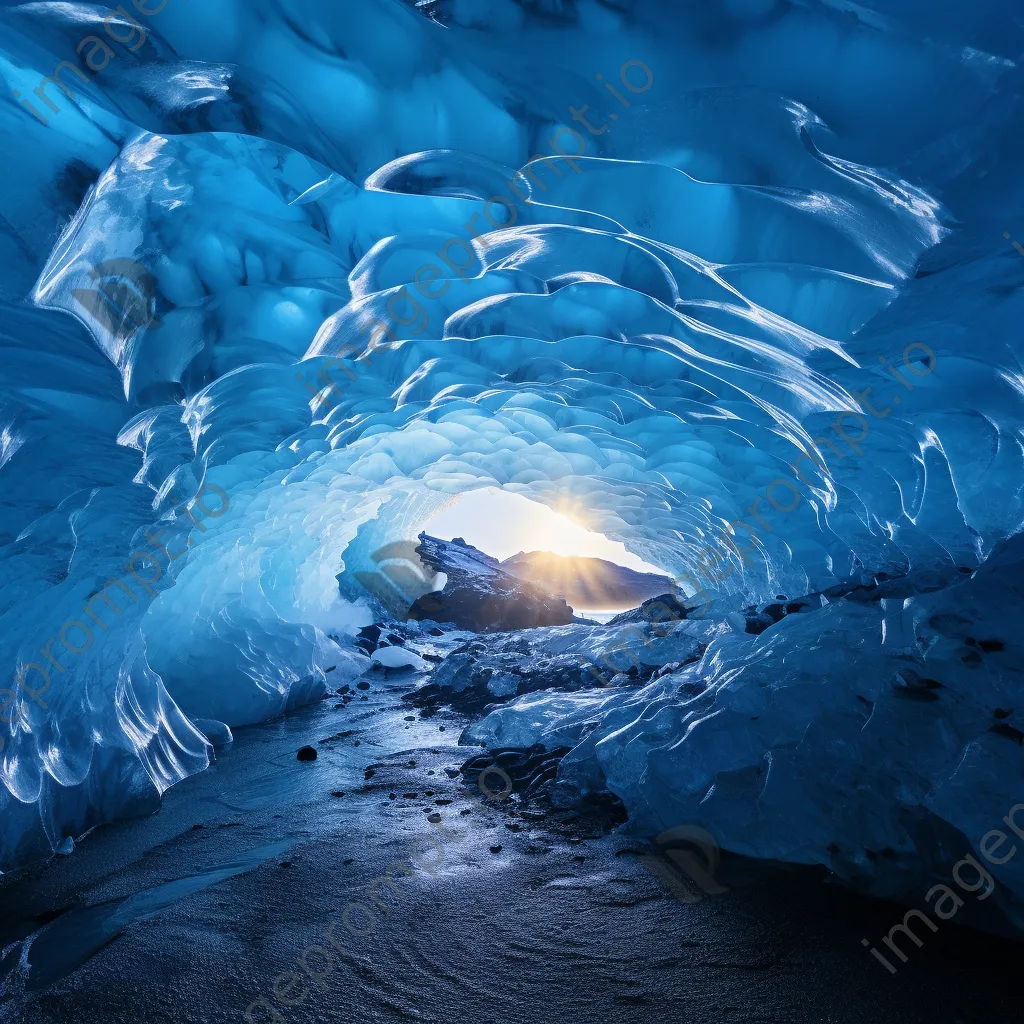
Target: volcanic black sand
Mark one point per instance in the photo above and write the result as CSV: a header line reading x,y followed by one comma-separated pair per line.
x,y
495,916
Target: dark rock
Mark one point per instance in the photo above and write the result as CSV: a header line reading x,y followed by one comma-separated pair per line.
x,y
665,608
362,685
527,770
367,638
307,753
496,849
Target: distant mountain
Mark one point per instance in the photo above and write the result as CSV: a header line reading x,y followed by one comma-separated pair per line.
x,y
587,582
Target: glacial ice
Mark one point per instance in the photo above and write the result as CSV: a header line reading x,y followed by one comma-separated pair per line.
x,y
776,747
202,424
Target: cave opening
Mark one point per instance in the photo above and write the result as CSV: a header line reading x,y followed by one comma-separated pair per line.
x,y
551,547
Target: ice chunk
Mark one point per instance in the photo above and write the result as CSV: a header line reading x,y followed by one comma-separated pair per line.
x,y
217,733
398,657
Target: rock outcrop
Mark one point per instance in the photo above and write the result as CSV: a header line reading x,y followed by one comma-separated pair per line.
x,y
479,595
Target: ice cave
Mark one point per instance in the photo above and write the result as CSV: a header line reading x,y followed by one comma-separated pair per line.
x,y
734,286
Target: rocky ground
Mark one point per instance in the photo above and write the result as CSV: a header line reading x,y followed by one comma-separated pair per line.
x,y
354,861
226,901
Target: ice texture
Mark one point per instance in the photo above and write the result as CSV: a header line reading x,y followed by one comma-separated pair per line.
x,y
887,770
810,199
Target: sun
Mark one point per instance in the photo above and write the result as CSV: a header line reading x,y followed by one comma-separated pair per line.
x,y
502,524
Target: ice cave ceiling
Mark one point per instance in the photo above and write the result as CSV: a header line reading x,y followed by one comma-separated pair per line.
x,y
274,290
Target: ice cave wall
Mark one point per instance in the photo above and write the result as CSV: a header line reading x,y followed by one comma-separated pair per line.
x,y
223,202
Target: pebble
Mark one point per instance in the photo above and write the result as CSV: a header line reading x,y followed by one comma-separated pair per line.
x,y
306,754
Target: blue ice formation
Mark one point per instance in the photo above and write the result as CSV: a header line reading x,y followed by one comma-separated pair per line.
x,y
274,291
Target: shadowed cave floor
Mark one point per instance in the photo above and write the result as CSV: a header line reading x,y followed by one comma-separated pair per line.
x,y
159,920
